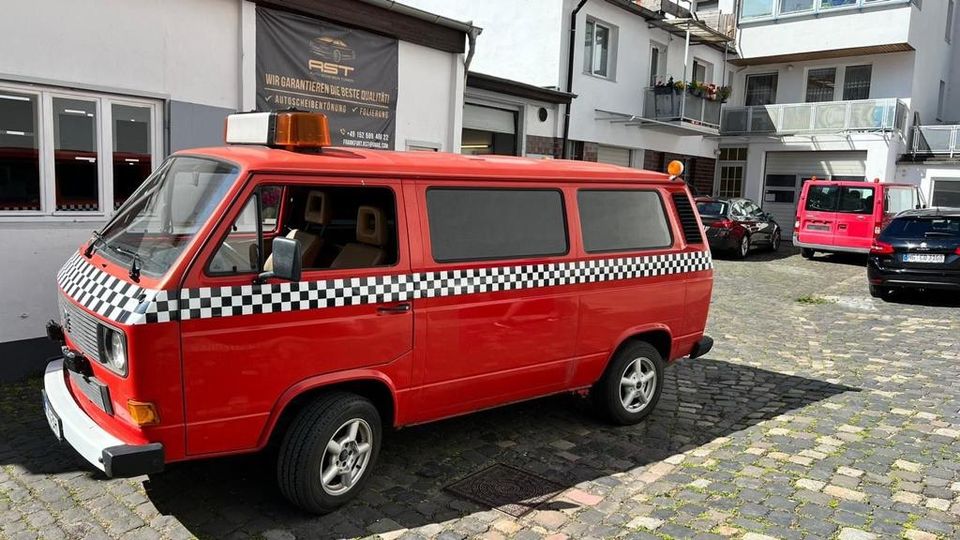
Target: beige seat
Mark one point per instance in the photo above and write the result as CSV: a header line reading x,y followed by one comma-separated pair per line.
x,y
368,250
317,212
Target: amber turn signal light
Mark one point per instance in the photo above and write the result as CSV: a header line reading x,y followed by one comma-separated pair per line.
x,y
301,130
143,413
675,168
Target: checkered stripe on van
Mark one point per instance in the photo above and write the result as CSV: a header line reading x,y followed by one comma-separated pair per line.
x,y
101,293
210,302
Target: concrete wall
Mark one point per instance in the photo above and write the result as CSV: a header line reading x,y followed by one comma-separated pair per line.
x,y
430,97
878,25
934,57
520,39
923,175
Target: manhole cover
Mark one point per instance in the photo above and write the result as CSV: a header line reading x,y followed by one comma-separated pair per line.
x,y
507,489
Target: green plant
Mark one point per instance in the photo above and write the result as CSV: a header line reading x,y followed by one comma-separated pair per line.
x,y
812,299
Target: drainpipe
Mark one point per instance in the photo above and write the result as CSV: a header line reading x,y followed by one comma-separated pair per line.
x,y
569,88
472,44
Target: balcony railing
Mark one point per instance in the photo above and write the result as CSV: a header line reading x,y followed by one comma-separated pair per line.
x,y
809,118
667,104
762,10
724,23
936,140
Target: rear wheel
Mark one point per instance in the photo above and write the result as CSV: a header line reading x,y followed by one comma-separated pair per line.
x,y
631,385
806,253
884,293
328,451
743,247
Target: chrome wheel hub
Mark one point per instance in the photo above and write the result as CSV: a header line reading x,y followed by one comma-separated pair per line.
x,y
638,383
346,456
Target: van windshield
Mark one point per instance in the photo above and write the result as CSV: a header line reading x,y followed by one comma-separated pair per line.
x,y
158,221
845,199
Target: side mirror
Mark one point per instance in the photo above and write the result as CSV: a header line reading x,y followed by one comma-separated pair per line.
x,y
286,260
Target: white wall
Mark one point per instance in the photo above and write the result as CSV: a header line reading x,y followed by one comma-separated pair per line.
x,y
840,30
923,175
429,97
183,49
934,56
520,39
624,93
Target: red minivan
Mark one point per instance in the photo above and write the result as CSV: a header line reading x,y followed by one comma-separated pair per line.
x,y
847,216
285,291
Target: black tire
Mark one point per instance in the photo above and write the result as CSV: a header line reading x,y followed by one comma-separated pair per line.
x,y
302,452
775,241
876,292
606,393
884,293
806,253
739,252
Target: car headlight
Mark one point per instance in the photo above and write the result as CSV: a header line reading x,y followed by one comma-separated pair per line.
x,y
113,349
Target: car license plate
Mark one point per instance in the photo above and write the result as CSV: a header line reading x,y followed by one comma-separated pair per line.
x,y
52,418
812,227
929,258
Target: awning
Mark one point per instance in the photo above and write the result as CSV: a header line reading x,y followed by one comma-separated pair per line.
x,y
700,32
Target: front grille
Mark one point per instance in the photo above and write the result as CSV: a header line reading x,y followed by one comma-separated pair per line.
x,y
688,219
80,327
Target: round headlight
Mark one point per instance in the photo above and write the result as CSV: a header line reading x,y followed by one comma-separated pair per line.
x,y
115,349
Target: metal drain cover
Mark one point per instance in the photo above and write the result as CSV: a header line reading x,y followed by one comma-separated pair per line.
x,y
508,489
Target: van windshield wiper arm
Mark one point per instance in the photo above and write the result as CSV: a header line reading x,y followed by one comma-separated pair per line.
x,y
91,247
135,261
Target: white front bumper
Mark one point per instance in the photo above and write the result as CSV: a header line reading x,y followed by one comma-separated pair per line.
x,y
83,434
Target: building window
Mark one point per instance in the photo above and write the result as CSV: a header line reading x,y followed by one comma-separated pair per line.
x,y
733,154
702,71
757,9
948,34
599,49
821,84
97,151
658,63
856,82
941,100
795,6
731,181
761,89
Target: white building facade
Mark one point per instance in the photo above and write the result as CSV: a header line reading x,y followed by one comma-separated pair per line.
x,y
87,114
833,89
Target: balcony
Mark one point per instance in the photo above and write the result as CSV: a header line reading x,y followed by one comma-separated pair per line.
x,y
712,27
936,141
666,104
867,115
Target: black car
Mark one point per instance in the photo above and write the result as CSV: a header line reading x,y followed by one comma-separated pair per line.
x,y
737,226
918,249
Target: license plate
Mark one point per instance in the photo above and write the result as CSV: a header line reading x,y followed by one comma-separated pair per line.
x,y
812,227
929,258
52,419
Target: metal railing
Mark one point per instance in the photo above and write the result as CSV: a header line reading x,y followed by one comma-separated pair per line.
x,y
667,104
821,117
725,23
936,140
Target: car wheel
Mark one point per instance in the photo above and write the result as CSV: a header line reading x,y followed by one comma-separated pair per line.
x,y
775,242
337,55
631,385
806,253
884,293
328,451
743,248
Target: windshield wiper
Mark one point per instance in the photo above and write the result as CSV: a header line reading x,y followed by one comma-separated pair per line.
x,y
135,261
97,238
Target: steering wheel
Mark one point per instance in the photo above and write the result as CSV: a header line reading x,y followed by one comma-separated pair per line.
x,y
233,258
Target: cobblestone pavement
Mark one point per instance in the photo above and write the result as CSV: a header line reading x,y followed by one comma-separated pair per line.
x,y
821,413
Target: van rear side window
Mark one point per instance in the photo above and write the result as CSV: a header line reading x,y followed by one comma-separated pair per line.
x,y
482,224
622,220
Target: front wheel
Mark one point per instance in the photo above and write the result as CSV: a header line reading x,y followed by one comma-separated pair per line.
x,y
743,248
328,451
631,385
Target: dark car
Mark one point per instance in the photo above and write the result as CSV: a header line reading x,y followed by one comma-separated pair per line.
x,y
334,49
737,225
918,249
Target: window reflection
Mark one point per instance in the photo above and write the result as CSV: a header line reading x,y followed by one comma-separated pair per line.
x,y
132,160
75,155
19,152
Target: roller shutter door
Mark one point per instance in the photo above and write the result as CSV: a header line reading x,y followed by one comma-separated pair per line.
x,y
614,155
781,194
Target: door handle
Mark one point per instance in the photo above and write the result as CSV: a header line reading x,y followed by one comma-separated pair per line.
x,y
399,308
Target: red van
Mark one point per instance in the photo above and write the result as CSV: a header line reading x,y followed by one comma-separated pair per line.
x,y
847,216
311,296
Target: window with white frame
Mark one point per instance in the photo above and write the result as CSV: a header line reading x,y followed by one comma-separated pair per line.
x,y
599,53
658,63
768,9
761,89
73,153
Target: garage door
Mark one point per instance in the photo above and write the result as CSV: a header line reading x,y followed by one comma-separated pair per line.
x,y
614,155
946,192
785,173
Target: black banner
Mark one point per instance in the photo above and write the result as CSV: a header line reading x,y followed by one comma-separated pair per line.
x,y
349,75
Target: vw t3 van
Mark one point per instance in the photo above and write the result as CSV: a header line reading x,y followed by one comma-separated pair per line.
x,y
283,291
848,216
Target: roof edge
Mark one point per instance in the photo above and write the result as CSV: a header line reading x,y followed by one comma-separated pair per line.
x,y
510,87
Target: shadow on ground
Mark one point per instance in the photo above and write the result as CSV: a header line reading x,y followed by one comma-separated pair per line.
x,y
557,438
759,254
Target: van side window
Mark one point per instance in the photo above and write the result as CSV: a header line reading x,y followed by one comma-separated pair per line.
x,y
480,224
622,220
338,227
898,199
